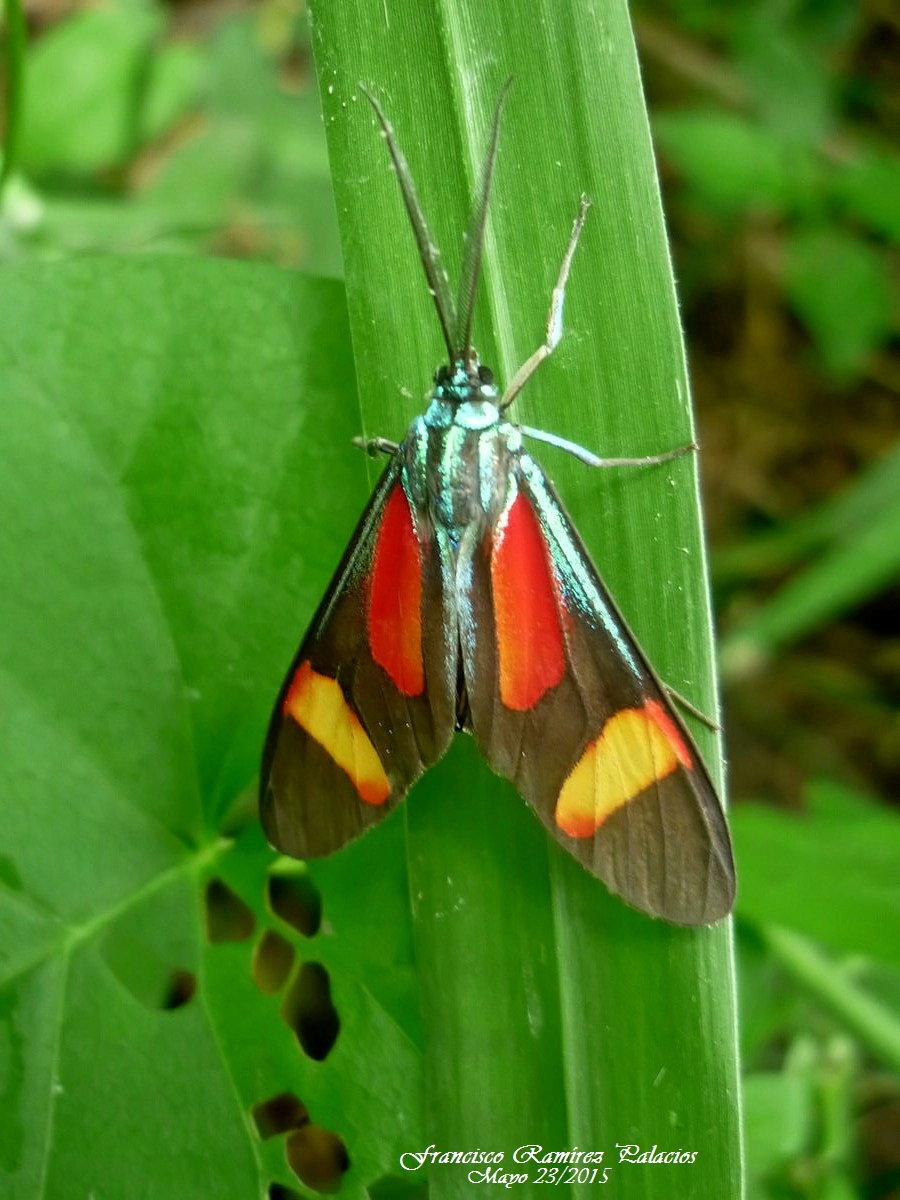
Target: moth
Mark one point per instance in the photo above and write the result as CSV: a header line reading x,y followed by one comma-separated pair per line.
x,y
467,601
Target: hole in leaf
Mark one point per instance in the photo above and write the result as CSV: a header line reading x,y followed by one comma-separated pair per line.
x,y
181,988
277,1191
296,899
283,1112
143,966
317,1157
272,962
228,918
307,1008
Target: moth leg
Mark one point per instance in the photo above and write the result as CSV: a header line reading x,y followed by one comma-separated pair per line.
x,y
592,460
376,445
554,317
683,702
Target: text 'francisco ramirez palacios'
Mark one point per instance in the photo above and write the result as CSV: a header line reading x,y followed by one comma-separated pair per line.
x,y
545,1166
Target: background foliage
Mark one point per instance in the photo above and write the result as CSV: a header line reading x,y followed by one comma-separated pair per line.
x,y
195,131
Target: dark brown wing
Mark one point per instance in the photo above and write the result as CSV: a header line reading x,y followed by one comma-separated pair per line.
x,y
564,704
370,699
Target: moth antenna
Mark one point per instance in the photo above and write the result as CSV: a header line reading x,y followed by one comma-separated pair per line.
x,y
438,283
474,243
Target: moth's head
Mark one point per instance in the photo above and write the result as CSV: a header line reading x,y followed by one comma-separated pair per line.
x,y
465,380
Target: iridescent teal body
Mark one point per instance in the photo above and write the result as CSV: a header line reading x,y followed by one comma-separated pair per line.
x,y
461,466
453,451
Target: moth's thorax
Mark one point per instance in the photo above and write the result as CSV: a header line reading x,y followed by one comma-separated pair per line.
x,y
458,453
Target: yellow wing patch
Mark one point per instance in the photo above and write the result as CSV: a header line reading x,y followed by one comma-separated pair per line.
x,y
317,703
636,747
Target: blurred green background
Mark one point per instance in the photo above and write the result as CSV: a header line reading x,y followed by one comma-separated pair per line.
x,y
139,129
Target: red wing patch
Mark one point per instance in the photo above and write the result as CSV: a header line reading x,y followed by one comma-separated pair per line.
x,y
636,748
526,609
395,597
317,704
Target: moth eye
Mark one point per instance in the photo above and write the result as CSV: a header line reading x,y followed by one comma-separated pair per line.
x,y
441,375
485,375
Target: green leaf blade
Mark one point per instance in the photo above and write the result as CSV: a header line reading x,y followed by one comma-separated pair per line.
x,y
631,1002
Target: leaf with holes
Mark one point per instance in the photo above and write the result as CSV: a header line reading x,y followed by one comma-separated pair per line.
x,y
176,1016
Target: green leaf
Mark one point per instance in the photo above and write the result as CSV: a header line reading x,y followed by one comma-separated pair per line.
x,y
870,189
778,1117
846,840
862,559
733,165
172,89
90,123
259,158
834,986
551,1012
789,74
840,521
179,483
767,1006
839,286
246,174
799,1124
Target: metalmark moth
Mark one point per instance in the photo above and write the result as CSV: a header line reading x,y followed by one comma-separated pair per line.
x,y
467,601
